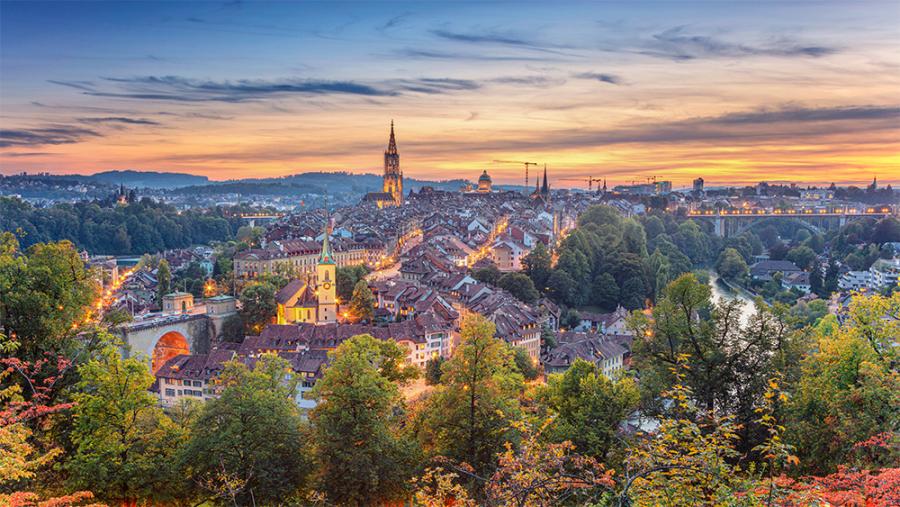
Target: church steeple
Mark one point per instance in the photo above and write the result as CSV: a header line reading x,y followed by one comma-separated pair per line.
x,y
327,256
545,188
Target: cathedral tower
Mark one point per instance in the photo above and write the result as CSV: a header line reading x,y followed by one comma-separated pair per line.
x,y
393,177
326,279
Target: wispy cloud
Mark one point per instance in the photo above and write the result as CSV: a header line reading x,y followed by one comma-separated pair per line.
x,y
25,154
678,44
490,37
771,127
119,120
52,134
599,76
427,54
78,85
182,89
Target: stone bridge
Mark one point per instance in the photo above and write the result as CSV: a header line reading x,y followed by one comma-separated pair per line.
x,y
165,337
728,223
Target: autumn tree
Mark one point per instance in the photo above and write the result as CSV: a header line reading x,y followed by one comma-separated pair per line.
x,y
362,458
688,459
249,445
467,419
849,389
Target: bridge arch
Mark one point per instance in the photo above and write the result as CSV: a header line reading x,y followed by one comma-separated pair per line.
x,y
169,345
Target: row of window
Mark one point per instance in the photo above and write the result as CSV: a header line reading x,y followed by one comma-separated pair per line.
x,y
176,382
185,392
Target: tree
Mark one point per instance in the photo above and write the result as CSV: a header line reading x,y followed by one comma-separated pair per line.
x,y
832,272
519,286
362,304
540,473
633,293
489,274
233,329
731,265
362,459
606,292
802,256
163,280
778,251
560,285
45,295
537,265
467,419
248,446
258,306
684,462
587,408
816,283
525,364
347,278
124,444
848,390
728,364
433,370
571,319
887,230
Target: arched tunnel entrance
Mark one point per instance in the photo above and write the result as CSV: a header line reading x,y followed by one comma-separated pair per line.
x,y
168,346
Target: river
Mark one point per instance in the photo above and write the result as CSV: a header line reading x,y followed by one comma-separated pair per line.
x,y
721,291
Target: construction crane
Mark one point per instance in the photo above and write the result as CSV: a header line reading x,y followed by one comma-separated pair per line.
x,y
526,164
590,181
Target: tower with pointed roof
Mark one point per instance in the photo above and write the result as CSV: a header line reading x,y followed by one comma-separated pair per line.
x,y
393,177
326,282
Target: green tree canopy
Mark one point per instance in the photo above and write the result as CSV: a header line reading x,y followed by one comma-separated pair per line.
x,y
258,306
124,445
249,445
362,459
467,419
588,407
362,304
520,286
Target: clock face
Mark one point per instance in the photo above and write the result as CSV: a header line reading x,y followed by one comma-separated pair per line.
x,y
326,285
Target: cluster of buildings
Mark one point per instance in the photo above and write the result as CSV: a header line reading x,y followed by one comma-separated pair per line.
x,y
422,247
882,274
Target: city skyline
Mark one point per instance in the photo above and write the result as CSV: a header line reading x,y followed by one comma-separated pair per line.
x,y
733,92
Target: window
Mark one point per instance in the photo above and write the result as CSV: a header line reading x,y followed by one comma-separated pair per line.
x,y
197,383
170,392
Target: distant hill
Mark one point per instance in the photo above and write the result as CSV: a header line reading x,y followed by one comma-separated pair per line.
x,y
149,179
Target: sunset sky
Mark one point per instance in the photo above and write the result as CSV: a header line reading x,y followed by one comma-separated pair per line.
x,y
731,91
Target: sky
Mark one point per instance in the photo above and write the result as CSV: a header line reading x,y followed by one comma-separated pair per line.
x,y
735,92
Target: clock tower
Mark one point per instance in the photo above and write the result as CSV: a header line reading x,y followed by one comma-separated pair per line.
x,y
326,279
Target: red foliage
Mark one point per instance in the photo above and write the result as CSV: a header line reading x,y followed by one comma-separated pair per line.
x,y
26,499
844,488
38,379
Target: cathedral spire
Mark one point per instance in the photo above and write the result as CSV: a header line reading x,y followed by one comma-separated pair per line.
x,y
392,143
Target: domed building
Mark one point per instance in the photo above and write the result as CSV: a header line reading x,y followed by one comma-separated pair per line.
x,y
484,183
